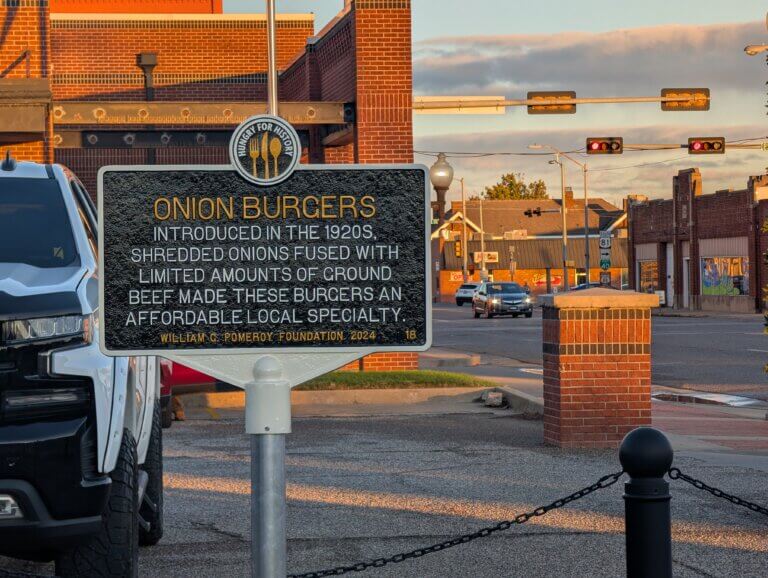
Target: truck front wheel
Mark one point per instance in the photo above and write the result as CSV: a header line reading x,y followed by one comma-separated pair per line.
x,y
114,551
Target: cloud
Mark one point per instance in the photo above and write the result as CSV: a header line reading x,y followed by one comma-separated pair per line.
x,y
618,62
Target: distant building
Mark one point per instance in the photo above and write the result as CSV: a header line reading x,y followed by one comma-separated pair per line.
x,y
701,251
528,249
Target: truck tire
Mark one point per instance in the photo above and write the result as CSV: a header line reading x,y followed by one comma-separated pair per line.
x,y
167,415
151,509
114,551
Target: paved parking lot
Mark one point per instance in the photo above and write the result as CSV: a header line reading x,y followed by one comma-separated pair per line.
x,y
376,485
721,354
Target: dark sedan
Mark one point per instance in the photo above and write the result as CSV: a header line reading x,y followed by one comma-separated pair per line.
x,y
494,299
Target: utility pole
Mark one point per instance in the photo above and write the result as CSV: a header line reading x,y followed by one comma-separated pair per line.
x,y
564,213
463,232
483,273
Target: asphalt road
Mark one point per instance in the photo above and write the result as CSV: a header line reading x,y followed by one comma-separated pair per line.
x,y
719,354
368,487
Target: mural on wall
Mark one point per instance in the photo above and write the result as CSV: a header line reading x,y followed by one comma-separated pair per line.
x,y
725,276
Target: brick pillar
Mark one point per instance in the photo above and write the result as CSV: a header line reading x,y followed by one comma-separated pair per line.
x,y
384,81
597,366
383,98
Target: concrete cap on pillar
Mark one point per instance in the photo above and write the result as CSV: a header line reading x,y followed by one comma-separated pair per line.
x,y
600,298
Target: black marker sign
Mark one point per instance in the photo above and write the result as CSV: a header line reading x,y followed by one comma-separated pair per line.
x,y
333,258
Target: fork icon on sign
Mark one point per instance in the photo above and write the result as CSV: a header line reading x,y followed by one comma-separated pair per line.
x,y
253,152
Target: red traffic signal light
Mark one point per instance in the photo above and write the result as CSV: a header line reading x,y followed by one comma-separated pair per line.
x,y
706,145
605,145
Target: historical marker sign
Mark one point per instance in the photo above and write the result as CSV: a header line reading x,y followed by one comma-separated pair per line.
x,y
200,259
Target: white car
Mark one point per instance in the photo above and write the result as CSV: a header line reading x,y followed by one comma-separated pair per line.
x,y
465,293
81,476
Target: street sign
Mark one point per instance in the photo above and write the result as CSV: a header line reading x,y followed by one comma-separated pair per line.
x,y
605,239
200,260
605,278
605,264
490,257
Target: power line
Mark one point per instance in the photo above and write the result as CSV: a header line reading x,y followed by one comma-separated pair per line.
x,y
582,151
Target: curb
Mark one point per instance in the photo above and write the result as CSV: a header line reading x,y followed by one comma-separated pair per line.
x,y
236,399
528,405
718,399
430,360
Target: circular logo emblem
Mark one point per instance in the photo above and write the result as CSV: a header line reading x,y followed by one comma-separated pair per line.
x,y
265,149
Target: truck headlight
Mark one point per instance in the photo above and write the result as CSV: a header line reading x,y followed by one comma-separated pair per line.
x,y
9,508
528,300
26,330
495,300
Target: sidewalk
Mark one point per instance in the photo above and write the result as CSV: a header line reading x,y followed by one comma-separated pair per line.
x,y
714,433
670,312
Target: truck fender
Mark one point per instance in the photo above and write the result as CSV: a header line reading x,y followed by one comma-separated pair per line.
x,y
117,414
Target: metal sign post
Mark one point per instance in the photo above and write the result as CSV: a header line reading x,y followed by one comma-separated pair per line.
x,y
267,420
264,287
605,258
268,394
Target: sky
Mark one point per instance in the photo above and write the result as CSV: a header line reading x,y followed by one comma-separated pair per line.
x,y
597,48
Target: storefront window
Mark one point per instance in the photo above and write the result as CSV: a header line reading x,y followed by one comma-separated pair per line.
x,y
648,276
725,276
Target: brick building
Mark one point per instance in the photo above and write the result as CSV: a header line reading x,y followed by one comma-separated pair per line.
x,y
701,251
528,249
89,83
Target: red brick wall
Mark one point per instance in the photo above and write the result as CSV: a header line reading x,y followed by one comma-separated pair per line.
x,y
597,375
214,58
384,81
138,6
26,27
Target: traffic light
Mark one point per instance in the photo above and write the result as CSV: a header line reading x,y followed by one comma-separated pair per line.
x,y
457,248
698,99
532,212
714,145
551,108
610,145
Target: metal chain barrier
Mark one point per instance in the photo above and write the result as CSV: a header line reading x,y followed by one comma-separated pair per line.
x,y
676,474
602,483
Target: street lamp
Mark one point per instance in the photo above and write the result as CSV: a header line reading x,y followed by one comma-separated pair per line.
x,y
755,49
558,153
441,175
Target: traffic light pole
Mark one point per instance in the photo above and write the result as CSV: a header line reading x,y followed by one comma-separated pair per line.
x,y
501,103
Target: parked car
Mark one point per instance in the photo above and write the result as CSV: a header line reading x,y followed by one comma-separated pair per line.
x,y
81,474
582,286
465,293
175,379
494,299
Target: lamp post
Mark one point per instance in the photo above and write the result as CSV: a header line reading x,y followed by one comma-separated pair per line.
x,y
558,153
440,175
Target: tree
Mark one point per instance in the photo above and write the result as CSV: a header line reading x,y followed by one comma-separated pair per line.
x,y
512,187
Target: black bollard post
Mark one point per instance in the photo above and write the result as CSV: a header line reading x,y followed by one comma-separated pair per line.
x,y
646,456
